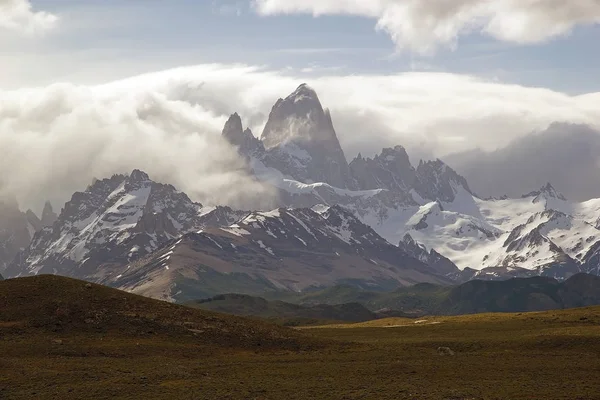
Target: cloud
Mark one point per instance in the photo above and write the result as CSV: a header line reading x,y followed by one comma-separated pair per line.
x,y
18,15
422,26
566,155
168,123
56,139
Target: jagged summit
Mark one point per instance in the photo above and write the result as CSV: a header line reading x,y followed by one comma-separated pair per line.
x,y
16,229
244,140
302,143
547,191
436,180
233,127
304,93
389,170
299,117
139,176
48,215
113,220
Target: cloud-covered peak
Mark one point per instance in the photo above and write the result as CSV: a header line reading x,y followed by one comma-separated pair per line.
x,y
139,176
233,128
300,116
171,117
304,93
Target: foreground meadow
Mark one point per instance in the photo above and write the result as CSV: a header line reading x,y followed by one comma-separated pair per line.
x,y
159,351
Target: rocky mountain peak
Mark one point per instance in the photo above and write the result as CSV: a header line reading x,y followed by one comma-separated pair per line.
x,y
16,229
433,259
244,140
299,117
48,215
304,93
300,131
115,220
389,170
233,128
547,192
138,176
392,153
435,180
408,240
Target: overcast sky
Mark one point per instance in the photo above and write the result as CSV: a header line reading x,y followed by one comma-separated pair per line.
x,y
543,43
440,75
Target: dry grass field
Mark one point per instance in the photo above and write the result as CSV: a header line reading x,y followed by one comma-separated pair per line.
x,y
65,339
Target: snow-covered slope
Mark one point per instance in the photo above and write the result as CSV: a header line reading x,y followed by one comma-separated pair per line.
x,y
427,211
290,249
541,231
430,202
114,221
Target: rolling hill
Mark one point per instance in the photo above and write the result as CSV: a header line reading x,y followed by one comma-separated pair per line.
x,y
50,308
288,313
67,339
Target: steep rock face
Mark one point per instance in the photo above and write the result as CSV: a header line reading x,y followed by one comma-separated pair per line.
x,y
282,249
49,217
113,222
301,141
390,170
244,140
436,181
16,230
432,258
591,261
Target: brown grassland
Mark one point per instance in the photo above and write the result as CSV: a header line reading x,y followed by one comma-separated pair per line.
x,y
64,339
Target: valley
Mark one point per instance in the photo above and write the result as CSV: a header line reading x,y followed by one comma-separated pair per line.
x,y
63,339
299,199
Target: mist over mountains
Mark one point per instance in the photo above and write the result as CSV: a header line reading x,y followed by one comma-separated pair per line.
x,y
567,155
304,216
169,123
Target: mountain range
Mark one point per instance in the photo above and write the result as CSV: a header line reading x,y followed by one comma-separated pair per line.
x,y
377,223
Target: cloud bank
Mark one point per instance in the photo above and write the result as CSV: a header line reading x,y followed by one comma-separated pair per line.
x,y
423,25
55,139
18,15
566,155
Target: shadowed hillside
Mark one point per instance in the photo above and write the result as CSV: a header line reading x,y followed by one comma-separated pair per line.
x,y
59,307
69,340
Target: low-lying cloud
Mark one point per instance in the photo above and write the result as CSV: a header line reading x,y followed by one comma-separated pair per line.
x,y
19,16
423,25
566,155
55,139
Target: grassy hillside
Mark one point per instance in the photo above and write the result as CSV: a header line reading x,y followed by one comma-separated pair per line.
x,y
65,339
57,307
